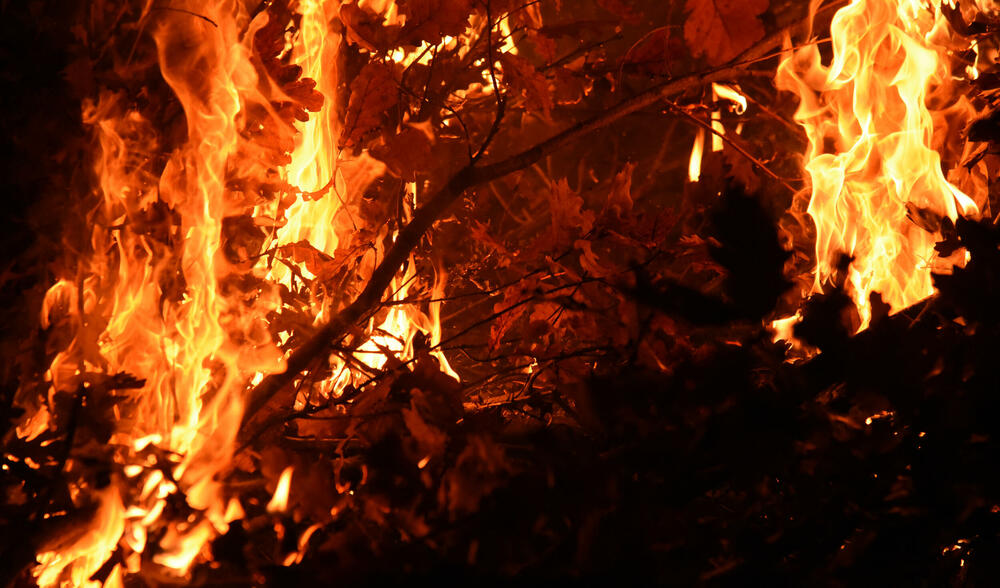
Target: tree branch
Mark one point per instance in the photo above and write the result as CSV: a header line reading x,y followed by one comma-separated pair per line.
x,y
469,176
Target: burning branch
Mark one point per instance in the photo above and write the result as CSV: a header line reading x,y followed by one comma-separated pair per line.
x,y
468,177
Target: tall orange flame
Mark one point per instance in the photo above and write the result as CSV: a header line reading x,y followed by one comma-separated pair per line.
x,y
876,118
163,307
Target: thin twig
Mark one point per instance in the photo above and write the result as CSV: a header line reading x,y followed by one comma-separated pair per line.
x,y
500,98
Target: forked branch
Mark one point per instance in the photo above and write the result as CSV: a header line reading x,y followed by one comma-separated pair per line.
x,y
472,175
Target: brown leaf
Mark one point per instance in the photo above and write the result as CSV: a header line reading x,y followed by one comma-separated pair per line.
x,y
652,54
591,263
511,308
722,29
407,153
741,169
431,441
522,77
430,20
620,197
478,471
367,29
544,45
304,92
373,92
568,215
480,233
570,86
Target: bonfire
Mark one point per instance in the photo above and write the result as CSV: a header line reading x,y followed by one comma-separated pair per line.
x,y
363,291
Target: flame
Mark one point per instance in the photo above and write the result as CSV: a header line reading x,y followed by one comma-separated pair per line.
x,y
162,307
279,502
739,105
697,150
877,119
731,94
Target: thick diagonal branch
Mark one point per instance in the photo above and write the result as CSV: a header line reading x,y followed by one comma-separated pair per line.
x,y
435,208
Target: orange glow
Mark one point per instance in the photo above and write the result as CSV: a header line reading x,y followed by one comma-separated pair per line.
x,y
877,118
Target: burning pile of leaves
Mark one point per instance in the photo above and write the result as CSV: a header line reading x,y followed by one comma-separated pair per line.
x,y
352,292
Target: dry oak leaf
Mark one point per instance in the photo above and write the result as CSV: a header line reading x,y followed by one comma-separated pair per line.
x,y
408,152
722,29
653,53
479,469
620,200
521,76
430,20
373,92
568,214
367,29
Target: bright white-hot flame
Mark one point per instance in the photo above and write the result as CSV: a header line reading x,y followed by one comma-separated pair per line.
x,y
719,92
85,550
731,94
723,92
873,155
697,151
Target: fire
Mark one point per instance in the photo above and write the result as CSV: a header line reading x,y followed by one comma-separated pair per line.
x,y
739,105
279,502
158,297
164,297
878,118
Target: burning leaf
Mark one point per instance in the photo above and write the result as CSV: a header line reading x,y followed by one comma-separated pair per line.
x,y
373,92
722,29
